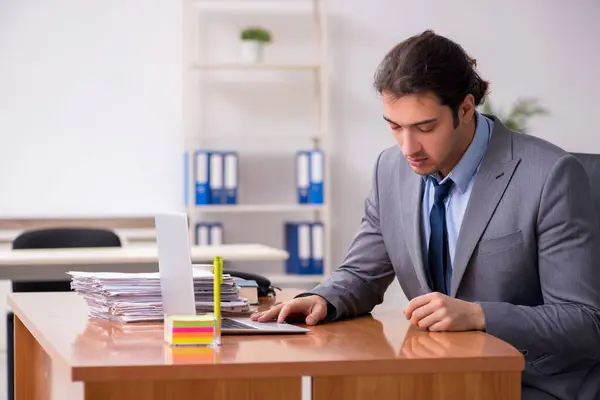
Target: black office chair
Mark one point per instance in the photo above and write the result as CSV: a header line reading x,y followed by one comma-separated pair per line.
x,y
50,238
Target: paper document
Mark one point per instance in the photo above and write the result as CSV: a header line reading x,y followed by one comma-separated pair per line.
x,y
133,297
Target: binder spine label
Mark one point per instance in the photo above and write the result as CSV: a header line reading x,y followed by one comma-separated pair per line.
x,y
201,177
317,245
216,178
216,234
316,177
202,236
231,177
302,176
304,248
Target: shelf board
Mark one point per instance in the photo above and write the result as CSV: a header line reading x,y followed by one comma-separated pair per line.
x,y
224,66
193,141
136,255
238,252
258,6
258,208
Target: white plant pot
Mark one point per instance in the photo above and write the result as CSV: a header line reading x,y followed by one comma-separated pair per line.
x,y
252,51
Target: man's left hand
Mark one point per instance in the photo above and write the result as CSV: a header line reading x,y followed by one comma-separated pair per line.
x,y
438,312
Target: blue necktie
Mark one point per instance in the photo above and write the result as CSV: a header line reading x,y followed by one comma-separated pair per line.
x,y
439,254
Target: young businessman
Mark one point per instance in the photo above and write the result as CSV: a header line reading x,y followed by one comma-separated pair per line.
x,y
484,228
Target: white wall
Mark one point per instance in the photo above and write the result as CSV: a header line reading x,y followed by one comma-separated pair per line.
x,y
89,107
105,76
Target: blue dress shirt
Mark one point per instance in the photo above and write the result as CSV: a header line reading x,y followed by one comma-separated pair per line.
x,y
463,176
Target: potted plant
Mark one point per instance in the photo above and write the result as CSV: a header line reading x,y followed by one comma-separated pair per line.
x,y
253,41
522,110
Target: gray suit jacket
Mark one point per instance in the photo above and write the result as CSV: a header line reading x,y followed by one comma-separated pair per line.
x,y
528,251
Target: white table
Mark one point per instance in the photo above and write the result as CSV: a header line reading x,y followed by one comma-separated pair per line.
x,y
52,264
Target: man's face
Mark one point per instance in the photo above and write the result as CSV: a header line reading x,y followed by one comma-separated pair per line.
x,y
425,132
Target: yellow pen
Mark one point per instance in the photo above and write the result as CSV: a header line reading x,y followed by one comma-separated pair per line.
x,y
218,280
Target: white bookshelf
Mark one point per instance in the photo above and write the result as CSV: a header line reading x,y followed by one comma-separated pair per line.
x,y
200,69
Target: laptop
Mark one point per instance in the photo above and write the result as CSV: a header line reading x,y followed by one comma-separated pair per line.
x,y
177,283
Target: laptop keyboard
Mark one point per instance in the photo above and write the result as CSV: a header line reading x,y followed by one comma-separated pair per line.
x,y
227,323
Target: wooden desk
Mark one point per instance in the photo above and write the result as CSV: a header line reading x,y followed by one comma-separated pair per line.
x,y
61,354
49,264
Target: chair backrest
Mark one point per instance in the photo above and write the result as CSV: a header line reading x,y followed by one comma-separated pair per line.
x,y
591,163
66,237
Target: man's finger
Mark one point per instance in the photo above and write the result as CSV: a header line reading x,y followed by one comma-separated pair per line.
x,y
317,313
432,319
285,311
256,315
270,314
443,325
422,312
416,303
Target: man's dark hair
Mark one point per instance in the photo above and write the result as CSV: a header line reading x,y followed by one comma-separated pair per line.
x,y
430,62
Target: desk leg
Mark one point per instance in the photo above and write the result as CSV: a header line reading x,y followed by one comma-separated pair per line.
x,y
447,386
32,366
234,389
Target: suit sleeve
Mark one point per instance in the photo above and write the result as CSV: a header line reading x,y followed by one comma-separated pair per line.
x,y
563,332
359,283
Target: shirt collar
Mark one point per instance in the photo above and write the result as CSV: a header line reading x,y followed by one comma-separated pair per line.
x,y
462,173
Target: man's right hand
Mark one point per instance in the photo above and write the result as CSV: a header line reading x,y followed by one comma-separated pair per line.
x,y
313,307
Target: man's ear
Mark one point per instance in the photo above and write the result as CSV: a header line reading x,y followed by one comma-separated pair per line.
x,y
467,108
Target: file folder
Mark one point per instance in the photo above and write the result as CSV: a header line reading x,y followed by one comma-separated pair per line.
x,y
317,244
216,178
297,243
209,233
201,176
230,173
302,175
316,177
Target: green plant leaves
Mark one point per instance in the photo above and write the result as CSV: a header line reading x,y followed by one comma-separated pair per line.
x,y
518,116
256,33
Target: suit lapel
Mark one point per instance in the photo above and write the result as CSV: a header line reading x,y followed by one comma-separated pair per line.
x,y
410,185
494,174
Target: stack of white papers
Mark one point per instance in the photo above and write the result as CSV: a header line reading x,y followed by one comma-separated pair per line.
x,y
133,297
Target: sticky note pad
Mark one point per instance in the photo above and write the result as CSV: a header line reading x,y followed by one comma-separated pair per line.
x,y
191,354
190,330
